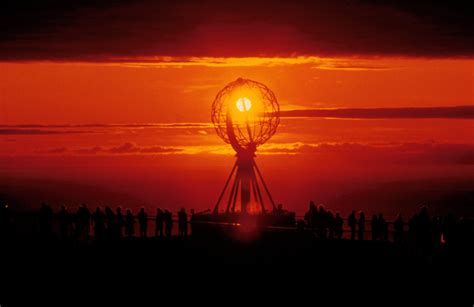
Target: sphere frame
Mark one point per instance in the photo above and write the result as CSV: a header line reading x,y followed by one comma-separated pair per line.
x,y
260,130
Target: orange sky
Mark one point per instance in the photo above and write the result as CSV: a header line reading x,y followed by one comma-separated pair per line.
x,y
377,101
182,91
78,117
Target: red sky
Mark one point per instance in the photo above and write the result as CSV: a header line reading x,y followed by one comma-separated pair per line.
x,y
131,112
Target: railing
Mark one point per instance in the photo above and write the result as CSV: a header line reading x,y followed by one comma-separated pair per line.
x,y
29,223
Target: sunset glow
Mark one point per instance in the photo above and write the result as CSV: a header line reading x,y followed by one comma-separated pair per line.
x,y
78,113
243,104
134,112
158,142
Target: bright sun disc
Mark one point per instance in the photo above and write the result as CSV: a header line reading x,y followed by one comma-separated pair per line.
x,y
243,104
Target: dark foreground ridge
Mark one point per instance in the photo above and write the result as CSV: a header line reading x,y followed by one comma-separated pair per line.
x,y
292,262
310,253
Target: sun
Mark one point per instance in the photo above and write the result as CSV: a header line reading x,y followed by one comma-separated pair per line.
x,y
243,104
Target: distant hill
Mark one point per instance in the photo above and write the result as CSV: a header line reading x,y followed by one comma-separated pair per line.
x,y
440,195
27,194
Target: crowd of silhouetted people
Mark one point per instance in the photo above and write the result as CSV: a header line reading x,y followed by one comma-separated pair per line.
x,y
425,230
109,223
327,225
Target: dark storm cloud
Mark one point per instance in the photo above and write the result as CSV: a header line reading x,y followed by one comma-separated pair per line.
x,y
38,131
33,127
460,112
117,30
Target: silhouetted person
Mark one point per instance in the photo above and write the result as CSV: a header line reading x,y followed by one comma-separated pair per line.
x,y
129,224
382,228
361,226
143,222
398,229
83,217
110,222
320,218
168,217
374,227
183,223
159,222
120,221
46,220
192,219
86,220
412,223
279,210
64,219
423,235
330,224
352,222
338,226
98,220
78,228
309,215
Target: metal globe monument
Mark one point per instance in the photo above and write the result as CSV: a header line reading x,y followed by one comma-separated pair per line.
x,y
245,114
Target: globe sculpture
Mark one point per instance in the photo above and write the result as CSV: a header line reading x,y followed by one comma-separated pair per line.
x,y
245,115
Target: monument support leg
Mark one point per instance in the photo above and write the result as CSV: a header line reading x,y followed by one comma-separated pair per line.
x,y
232,192
236,193
216,207
246,171
264,185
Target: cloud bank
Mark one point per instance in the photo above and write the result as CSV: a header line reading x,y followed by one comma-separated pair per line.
x,y
107,31
459,112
